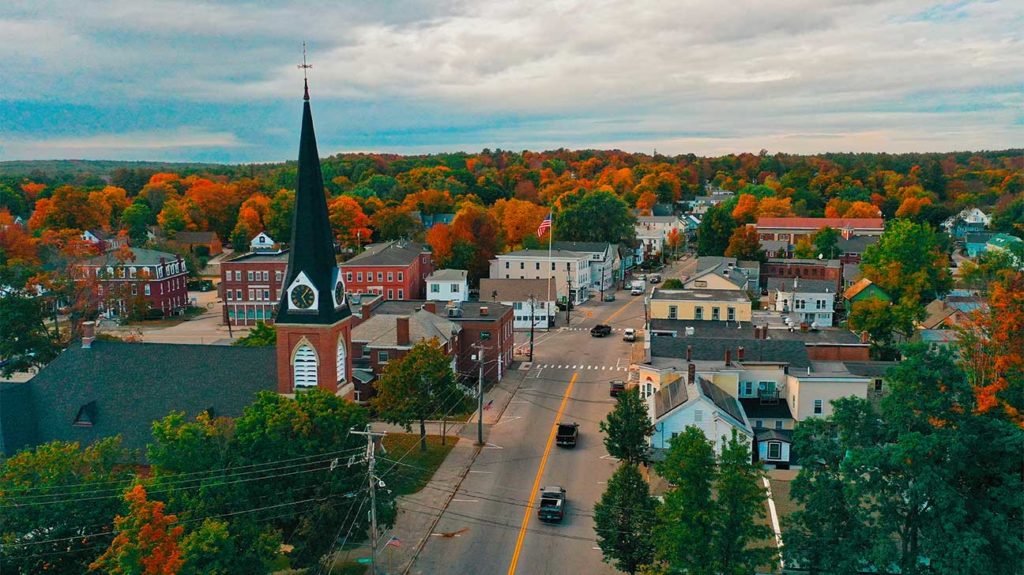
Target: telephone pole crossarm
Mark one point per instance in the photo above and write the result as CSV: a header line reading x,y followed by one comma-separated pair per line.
x,y
373,479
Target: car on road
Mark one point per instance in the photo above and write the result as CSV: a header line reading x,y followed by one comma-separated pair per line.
x,y
601,330
637,290
567,434
629,334
609,297
552,504
616,387
654,278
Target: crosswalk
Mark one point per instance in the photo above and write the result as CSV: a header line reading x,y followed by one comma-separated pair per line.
x,y
580,367
587,329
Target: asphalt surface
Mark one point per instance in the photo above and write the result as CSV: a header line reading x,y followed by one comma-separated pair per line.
x,y
491,523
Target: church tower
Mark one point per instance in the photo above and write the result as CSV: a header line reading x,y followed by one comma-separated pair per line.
x,y
314,322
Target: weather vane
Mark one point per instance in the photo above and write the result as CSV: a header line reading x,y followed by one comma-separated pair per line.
x,y
304,66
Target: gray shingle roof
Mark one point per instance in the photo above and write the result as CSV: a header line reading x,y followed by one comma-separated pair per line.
x,y
700,295
381,330
135,384
447,275
393,253
517,290
755,350
755,409
775,435
869,368
802,286
195,237
542,254
143,257
585,247
745,329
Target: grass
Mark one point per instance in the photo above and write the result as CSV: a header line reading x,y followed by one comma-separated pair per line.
x,y
784,505
416,467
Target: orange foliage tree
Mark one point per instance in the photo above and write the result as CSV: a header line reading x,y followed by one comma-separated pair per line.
x,y
645,203
215,204
517,219
253,216
348,221
912,207
16,245
430,202
772,207
146,541
744,244
440,239
477,235
745,211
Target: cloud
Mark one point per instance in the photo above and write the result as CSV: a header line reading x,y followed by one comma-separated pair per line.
x,y
127,144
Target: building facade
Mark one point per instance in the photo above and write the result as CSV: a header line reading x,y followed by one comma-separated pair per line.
x,y
448,285
828,270
700,304
396,270
150,278
805,301
570,270
250,287
604,262
535,297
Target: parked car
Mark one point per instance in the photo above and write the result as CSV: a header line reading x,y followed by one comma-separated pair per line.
x,y
609,297
567,434
601,330
616,387
629,334
654,278
552,504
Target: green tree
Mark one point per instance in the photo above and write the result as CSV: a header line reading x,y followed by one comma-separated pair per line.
x,y
416,387
24,339
715,230
672,283
279,219
394,224
260,335
686,519
136,218
624,520
887,324
209,549
909,259
739,501
48,493
627,428
826,242
593,216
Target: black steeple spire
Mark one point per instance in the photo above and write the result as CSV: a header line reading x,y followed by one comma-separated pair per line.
x,y
311,287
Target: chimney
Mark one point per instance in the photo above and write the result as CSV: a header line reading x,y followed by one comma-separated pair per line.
x,y
689,353
430,306
796,282
728,358
88,334
739,353
365,310
402,330
484,310
691,372
864,337
757,332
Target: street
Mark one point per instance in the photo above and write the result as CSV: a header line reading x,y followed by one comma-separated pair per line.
x,y
490,524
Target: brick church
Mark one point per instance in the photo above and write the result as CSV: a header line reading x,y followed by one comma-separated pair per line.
x,y
96,389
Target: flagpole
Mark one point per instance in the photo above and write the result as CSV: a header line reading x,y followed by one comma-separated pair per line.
x,y
551,272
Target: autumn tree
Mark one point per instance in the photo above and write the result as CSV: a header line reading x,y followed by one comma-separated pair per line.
x,y
645,203
518,219
745,211
416,387
135,219
908,260
175,216
348,222
429,202
477,232
395,223
674,240
744,244
772,207
279,218
715,231
146,542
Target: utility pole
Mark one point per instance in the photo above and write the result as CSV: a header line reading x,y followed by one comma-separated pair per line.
x,y
568,300
371,462
480,394
533,322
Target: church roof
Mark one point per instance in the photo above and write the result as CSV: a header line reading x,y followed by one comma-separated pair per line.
x,y
312,246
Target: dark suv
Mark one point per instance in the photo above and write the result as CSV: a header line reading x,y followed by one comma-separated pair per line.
x,y
616,387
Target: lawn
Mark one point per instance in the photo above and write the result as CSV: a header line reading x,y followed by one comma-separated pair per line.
x,y
415,468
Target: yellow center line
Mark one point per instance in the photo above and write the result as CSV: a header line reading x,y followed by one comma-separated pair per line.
x,y
621,309
540,473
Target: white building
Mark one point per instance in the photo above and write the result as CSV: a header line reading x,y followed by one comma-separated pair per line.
x,y
701,404
534,297
804,300
447,285
604,262
570,270
652,233
262,242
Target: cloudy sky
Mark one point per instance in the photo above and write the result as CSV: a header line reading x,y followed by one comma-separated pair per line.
x,y
205,81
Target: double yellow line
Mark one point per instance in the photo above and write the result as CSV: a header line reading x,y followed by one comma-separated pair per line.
x,y
540,473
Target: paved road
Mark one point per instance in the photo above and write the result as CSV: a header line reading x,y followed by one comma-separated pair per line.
x,y
491,521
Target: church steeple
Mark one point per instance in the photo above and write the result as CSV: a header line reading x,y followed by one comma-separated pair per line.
x,y
314,291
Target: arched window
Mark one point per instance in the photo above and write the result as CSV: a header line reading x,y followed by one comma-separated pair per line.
x,y
341,359
304,367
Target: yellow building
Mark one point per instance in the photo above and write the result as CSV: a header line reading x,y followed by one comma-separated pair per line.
x,y
700,304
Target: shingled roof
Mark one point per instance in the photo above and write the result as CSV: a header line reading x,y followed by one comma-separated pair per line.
x,y
393,253
117,388
791,352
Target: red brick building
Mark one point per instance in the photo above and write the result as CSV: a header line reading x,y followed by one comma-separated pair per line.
x,y
830,270
158,278
250,287
397,270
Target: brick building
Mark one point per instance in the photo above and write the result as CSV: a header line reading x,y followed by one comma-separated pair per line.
x,y
159,278
779,236
825,270
250,287
397,270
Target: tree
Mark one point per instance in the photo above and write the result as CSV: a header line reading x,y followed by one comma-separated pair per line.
x,y
804,249
645,203
415,387
745,211
17,246
349,223
48,493
624,520
441,241
260,335
826,241
209,549
593,216
146,542
474,226
674,240
909,259
739,500
279,219
715,230
174,217
518,219
136,218
395,223
772,207
886,323
25,341
672,283
686,519
626,429
745,245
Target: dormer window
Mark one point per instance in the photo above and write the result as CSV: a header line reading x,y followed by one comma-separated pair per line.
x,y
86,416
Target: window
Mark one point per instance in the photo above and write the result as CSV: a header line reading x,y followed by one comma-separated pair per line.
x,y
382,357
304,368
252,295
485,335
522,265
391,294
778,424
228,294
435,288
537,264
673,312
817,407
348,277
401,294
878,386
401,277
455,288
391,276
774,450
266,275
278,276
266,295
799,304
146,289
730,313
340,362
248,275
359,276
716,314
518,305
135,289
380,276
758,423
698,312
238,275
506,265
131,272
700,284
238,294
746,388
698,415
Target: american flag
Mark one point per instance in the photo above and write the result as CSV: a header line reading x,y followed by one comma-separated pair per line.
x,y
393,542
544,226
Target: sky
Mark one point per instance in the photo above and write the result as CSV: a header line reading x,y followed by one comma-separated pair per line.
x,y
218,82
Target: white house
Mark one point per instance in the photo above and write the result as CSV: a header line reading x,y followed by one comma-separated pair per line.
x,y
604,262
570,270
534,297
652,233
263,243
804,300
699,403
447,285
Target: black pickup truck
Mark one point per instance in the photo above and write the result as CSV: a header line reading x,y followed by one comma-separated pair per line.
x,y
552,505
567,434
601,330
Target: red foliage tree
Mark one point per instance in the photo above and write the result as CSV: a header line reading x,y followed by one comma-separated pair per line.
x,y
146,541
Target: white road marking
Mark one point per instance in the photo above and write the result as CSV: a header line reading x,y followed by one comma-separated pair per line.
x,y
493,446
467,500
507,419
473,471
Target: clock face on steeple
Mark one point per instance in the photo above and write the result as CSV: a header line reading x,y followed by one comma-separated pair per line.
x,y
302,296
339,293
